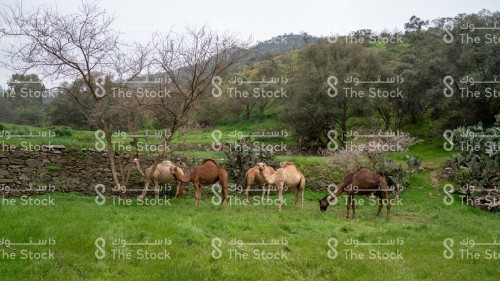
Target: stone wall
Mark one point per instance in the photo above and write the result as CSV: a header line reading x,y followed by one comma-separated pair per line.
x,y
58,169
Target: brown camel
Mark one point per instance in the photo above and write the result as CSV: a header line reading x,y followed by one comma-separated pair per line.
x,y
253,177
362,182
162,175
287,174
209,172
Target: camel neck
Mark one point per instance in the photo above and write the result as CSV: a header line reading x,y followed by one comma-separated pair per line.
x,y
266,176
339,189
182,178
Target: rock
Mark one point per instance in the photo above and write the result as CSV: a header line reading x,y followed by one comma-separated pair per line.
x,y
33,163
6,180
4,161
24,178
15,161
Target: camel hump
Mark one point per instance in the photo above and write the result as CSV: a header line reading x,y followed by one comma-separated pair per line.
x,y
167,163
286,164
210,160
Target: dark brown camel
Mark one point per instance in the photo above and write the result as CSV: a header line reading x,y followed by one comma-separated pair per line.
x,y
209,172
361,182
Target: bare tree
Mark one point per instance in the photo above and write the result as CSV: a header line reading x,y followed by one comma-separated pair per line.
x,y
78,47
191,61
306,37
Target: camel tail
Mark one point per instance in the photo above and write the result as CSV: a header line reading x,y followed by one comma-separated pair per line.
x,y
302,183
384,185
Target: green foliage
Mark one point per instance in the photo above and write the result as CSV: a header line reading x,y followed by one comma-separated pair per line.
x,y
478,162
396,176
62,131
414,164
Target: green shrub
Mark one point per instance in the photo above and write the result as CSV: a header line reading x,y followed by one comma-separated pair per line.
x,y
395,175
62,131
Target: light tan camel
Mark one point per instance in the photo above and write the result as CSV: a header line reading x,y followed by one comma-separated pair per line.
x,y
209,172
287,174
362,182
162,175
253,177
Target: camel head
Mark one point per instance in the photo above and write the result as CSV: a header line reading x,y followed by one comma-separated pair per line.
x,y
261,166
173,170
136,161
323,203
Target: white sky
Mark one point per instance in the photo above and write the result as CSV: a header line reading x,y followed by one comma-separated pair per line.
x,y
137,20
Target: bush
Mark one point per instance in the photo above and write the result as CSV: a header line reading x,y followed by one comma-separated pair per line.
x,y
478,164
396,176
240,160
62,131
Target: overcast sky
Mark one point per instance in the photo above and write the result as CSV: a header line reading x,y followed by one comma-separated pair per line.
x,y
263,19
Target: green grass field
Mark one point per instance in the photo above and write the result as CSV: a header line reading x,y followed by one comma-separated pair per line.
x,y
201,240
422,222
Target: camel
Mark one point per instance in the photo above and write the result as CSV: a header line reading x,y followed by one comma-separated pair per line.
x,y
253,176
209,172
162,175
287,174
362,182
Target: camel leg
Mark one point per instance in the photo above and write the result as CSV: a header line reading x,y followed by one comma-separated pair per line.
x,y
179,189
349,199
302,203
379,206
144,191
225,193
353,204
269,186
223,180
388,205
157,190
197,193
296,197
280,195
249,181
247,189
263,186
